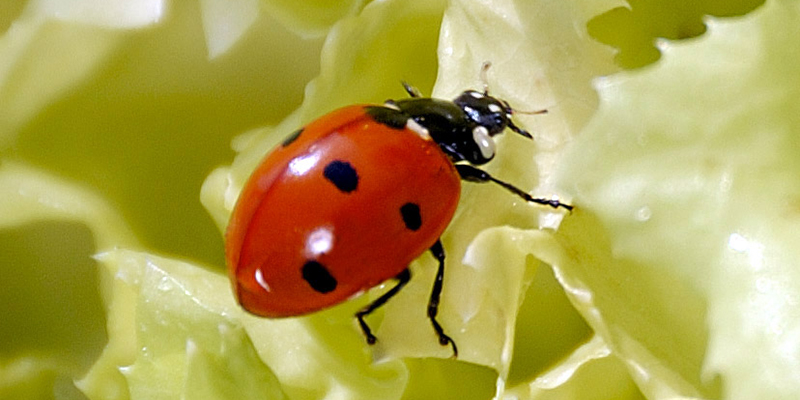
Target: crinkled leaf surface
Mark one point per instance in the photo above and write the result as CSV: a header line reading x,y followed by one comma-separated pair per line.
x,y
147,110
50,230
176,351
633,29
90,114
675,259
590,372
685,243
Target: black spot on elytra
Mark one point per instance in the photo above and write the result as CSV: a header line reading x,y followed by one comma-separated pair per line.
x,y
291,138
341,174
318,277
390,117
411,216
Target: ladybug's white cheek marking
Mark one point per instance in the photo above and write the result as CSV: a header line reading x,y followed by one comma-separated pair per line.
x,y
261,281
301,165
418,129
485,143
320,241
495,108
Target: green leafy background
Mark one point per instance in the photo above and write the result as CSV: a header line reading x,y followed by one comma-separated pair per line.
x,y
671,128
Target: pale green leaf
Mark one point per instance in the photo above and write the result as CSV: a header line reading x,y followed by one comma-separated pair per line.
x,y
672,279
685,238
49,230
185,331
311,17
590,372
225,22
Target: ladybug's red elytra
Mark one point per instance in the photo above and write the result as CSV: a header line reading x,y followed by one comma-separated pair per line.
x,y
348,201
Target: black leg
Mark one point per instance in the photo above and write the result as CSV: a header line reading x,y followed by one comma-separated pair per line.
x,y
403,278
391,104
472,174
411,90
433,304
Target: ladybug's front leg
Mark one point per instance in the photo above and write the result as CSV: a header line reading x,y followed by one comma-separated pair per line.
x,y
472,174
411,90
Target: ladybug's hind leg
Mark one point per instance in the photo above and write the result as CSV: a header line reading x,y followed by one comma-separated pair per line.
x,y
433,304
472,174
403,279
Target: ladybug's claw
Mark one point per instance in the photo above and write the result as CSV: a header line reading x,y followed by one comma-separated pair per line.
x,y
371,339
444,340
556,204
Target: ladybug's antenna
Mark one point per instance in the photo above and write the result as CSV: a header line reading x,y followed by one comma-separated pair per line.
x,y
533,112
484,69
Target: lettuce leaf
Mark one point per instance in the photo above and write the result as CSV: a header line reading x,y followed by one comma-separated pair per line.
x,y
685,182
677,257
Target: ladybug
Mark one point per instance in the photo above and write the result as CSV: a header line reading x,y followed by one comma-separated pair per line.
x,y
351,199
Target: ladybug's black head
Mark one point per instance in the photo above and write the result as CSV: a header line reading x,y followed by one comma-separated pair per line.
x,y
489,112
489,116
464,127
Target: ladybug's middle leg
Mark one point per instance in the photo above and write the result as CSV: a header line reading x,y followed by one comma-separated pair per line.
x,y
472,174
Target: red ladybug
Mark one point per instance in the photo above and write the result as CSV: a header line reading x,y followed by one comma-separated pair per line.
x,y
348,201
